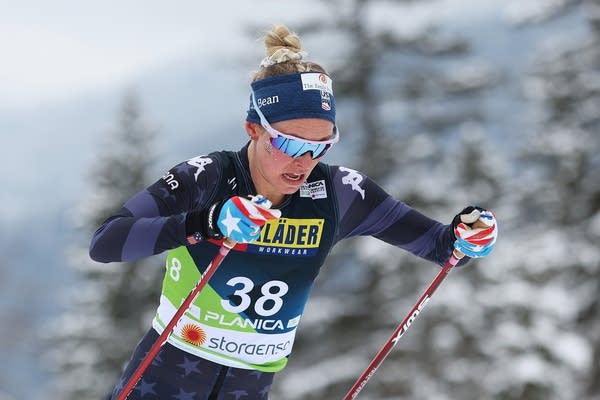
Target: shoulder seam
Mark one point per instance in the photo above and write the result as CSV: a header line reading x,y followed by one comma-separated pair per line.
x,y
336,211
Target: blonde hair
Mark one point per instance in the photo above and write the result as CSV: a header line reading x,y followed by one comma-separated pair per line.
x,y
284,54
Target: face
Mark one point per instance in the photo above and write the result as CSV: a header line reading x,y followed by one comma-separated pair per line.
x,y
275,174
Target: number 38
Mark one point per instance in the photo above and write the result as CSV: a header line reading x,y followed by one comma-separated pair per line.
x,y
268,304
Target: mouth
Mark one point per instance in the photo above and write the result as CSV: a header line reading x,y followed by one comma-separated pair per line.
x,y
294,178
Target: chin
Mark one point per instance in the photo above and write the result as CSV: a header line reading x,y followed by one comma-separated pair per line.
x,y
290,190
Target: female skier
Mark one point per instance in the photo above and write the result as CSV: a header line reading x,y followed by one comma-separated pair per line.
x,y
240,330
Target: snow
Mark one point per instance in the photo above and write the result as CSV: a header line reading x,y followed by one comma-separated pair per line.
x,y
571,349
494,327
320,375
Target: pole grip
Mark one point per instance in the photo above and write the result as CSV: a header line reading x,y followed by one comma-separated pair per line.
x,y
230,244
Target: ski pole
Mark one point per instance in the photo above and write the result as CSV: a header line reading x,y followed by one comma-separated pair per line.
x,y
210,270
403,327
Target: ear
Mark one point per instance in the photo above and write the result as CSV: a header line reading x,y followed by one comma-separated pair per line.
x,y
252,129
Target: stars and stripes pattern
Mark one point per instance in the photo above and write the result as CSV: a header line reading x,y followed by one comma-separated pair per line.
x,y
479,241
240,219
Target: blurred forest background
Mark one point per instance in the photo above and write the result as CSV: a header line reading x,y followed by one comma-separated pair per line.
x,y
503,112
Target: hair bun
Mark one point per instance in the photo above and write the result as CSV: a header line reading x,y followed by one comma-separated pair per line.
x,y
284,55
281,37
282,45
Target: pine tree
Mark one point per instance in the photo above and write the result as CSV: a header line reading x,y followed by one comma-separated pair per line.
x,y
109,309
563,205
366,285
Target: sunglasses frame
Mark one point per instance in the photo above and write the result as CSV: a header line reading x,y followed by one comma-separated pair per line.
x,y
274,133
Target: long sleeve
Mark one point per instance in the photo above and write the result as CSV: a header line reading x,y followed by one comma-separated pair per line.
x,y
366,209
153,220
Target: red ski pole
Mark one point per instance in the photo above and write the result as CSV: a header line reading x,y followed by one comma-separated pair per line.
x,y
210,270
403,327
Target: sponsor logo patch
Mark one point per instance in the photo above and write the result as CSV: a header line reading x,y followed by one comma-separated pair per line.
x,y
289,237
193,334
199,162
317,81
170,180
314,190
353,178
267,101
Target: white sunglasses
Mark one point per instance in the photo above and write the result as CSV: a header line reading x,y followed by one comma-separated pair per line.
x,y
294,146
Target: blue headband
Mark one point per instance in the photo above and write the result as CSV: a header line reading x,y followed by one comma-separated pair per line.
x,y
292,96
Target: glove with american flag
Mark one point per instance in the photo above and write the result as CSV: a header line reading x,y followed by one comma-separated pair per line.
x,y
237,218
476,231
241,219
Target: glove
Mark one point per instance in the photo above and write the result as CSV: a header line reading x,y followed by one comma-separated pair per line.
x,y
475,230
237,218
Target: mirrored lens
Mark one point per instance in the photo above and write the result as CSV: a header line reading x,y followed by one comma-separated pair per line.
x,y
297,148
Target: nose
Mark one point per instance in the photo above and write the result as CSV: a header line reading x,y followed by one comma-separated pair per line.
x,y
304,160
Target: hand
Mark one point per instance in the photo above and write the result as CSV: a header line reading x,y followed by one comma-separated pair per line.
x,y
476,231
240,219
237,218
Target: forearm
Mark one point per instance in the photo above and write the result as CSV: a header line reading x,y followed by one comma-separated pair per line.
x,y
421,236
130,238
